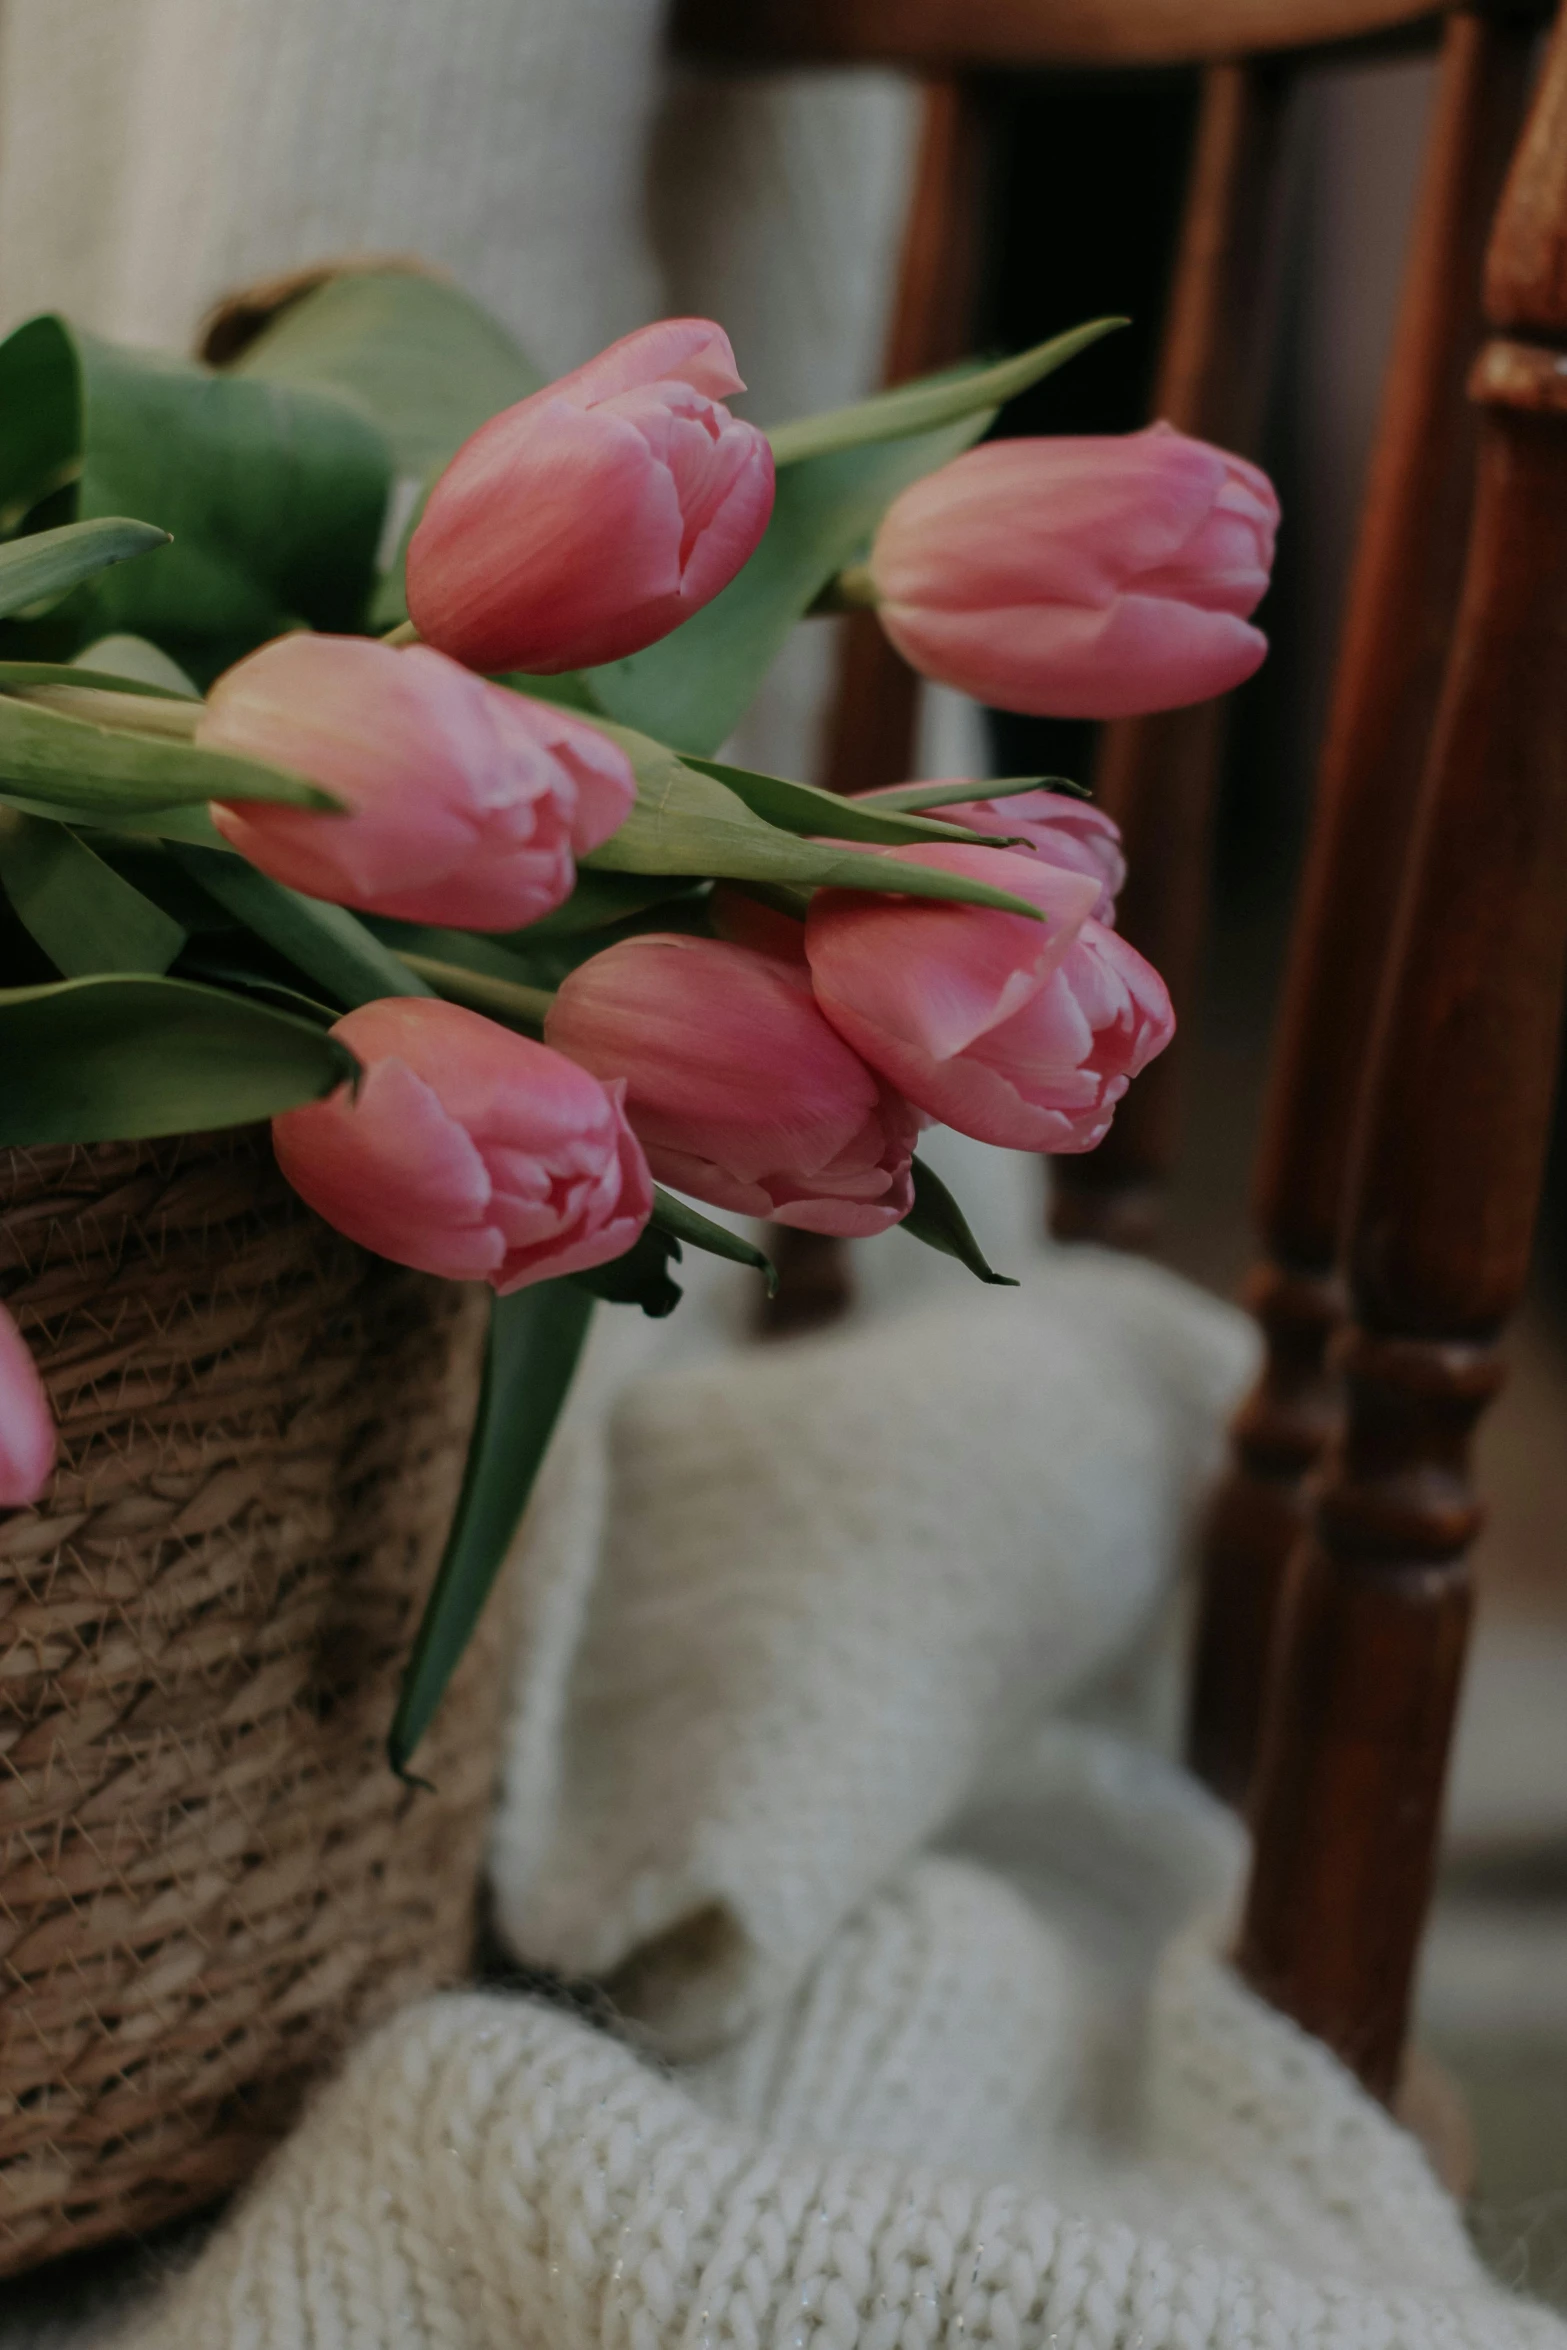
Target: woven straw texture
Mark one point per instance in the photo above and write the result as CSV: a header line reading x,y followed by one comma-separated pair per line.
x,y
209,1877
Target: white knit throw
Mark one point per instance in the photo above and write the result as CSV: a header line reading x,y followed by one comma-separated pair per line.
x,y
974,2072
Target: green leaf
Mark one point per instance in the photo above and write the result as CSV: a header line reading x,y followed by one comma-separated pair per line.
x,y
417,356
640,1277
327,942
536,1338
602,900
687,822
804,808
82,769
274,493
940,1223
513,1004
75,676
682,1222
80,911
934,400
133,661
52,562
117,1059
999,787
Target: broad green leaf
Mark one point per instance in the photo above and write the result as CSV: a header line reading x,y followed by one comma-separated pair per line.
x,y
424,363
117,1059
137,660
52,562
274,493
327,942
686,822
804,808
536,1338
940,1223
206,961
684,1223
514,1005
414,354
999,787
83,914
640,1277
933,401
77,768
78,677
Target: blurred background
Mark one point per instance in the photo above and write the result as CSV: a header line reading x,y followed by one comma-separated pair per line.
x,y
1074,192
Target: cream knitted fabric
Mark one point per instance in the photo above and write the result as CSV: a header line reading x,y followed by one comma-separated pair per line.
x,y
883,2169
835,1579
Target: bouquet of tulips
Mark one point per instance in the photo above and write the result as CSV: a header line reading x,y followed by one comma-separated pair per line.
x,y
361,711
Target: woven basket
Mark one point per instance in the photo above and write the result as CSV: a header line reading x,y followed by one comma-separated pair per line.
x,y
209,1878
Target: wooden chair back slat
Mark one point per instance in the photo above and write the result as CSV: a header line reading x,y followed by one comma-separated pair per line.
x,y
1157,775
936,36
1444,1189
1398,627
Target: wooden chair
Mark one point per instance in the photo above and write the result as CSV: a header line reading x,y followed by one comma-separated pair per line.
x,y
1415,1062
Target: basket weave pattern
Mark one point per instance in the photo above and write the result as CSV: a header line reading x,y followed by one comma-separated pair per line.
x,y
208,1876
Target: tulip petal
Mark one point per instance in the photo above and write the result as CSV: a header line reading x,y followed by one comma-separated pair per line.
x,y
1062,661
672,350
937,975
27,1432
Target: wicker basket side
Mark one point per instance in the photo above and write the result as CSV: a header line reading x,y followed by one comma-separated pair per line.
x,y
209,1878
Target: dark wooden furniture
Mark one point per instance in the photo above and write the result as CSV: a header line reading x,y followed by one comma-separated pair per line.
x,y
1417,1049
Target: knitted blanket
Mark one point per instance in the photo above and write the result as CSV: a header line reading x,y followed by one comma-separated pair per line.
x,y
950,2054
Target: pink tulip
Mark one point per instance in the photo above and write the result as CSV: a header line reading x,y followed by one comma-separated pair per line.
x,y
27,1438
1093,578
469,804
595,516
739,1090
468,1151
1022,1034
1058,830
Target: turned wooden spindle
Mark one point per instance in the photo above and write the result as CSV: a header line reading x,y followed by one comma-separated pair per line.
x,y
1399,618
875,714
1156,775
1444,1192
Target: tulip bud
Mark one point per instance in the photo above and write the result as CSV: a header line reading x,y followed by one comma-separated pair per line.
x,y
27,1437
1021,1034
468,1151
739,1090
597,515
1081,578
467,804
1058,830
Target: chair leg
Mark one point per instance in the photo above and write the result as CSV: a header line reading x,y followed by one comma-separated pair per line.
x,y
1447,1173
871,736
1398,624
1156,775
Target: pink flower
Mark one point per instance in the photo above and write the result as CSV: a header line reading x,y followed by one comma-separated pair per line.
x,y
1092,578
27,1438
1020,1033
739,1090
1058,830
469,1151
597,515
469,804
